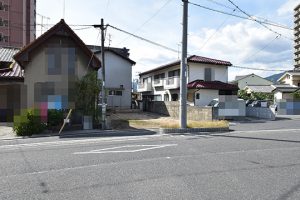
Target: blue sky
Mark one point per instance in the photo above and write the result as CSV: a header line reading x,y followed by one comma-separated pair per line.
x,y
242,42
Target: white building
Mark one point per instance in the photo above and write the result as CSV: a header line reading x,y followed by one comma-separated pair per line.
x,y
250,79
118,76
162,83
291,77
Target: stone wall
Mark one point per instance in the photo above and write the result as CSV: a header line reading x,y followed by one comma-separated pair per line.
x,y
171,108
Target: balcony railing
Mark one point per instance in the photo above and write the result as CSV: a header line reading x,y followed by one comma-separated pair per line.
x,y
172,83
144,87
158,82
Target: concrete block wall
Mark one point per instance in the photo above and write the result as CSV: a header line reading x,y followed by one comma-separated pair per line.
x,y
230,106
171,108
262,113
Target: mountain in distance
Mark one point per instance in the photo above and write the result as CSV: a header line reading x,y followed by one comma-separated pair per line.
x,y
274,77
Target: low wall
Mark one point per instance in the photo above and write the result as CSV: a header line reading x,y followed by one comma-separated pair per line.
x,y
259,112
171,108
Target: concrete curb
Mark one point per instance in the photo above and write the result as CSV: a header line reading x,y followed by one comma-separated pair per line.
x,y
203,131
128,132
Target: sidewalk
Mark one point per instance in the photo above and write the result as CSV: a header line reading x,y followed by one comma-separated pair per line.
x,y
6,131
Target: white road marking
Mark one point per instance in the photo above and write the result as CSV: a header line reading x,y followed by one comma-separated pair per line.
x,y
79,141
144,160
136,148
268,130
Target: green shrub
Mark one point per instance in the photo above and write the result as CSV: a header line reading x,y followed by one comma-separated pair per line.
x,y
28,123
55,117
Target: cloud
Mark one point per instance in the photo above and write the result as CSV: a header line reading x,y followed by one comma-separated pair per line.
x,y
288,7
244,44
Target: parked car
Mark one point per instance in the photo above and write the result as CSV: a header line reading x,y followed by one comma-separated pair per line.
x,y
249,102
214,103
261,103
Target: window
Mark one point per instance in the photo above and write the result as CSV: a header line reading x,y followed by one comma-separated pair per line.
x,y
54,61
5,23
118,93
5,38
288,76
197,96
115,93
157,98
207,74
71,61
159,77
174,73
3,7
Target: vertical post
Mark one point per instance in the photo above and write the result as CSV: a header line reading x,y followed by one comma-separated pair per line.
x,y
183,74
103,92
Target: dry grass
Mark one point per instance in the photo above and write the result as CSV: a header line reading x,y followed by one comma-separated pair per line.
x,y
144,120
172,123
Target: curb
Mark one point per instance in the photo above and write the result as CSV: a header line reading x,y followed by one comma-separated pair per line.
x,y
200,131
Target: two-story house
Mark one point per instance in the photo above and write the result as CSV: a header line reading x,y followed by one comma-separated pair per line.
x,y
250,80
291,77
118,76
163,83
52,64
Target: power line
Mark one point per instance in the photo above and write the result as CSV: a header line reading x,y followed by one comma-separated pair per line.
x,y
242,17
261,23
220,4
148,20
144,39
173,50
220,26
268,44
258,69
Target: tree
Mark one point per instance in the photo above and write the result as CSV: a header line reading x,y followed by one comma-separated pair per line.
x,y
244,95
87,91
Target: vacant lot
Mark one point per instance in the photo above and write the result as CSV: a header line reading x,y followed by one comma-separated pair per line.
x,y
140,120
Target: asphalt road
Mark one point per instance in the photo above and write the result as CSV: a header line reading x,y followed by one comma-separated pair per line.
x,y
236,165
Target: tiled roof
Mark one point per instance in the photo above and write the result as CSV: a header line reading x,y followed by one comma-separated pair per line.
x,y
123,53
201,59
11,69
261,88
192,59
7,53
14,72
61,28
215,85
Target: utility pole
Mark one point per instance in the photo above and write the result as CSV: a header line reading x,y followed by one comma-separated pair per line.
x,y
183,66
103,92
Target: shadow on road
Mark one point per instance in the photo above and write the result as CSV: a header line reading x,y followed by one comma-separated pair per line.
x,y
111,133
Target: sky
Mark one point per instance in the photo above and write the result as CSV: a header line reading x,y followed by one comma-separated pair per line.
x,y
243,42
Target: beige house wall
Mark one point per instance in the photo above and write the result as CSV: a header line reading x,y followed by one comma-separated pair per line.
x,y
37,68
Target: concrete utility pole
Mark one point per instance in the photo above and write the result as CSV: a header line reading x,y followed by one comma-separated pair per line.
x,y
103,92
183,74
